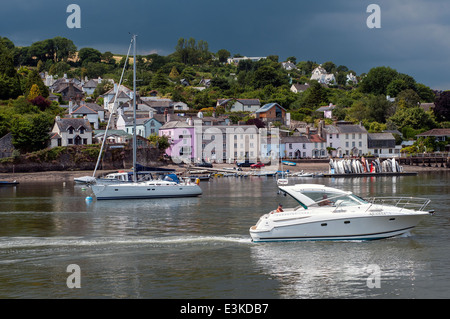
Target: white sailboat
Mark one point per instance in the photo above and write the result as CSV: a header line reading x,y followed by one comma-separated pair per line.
x,y
145,189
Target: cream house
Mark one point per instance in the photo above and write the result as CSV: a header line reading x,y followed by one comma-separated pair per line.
x,y
71,131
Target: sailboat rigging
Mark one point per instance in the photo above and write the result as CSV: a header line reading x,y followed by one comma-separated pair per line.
x,y
142,189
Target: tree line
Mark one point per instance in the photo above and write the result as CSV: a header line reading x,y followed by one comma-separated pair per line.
x,y
176,75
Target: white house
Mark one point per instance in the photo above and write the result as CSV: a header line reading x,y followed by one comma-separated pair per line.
x,y
124,95
288,66
127,124
351,77
320,75
303,146
239,59
180,106
90,86
92,111
71,131
299,88
345,139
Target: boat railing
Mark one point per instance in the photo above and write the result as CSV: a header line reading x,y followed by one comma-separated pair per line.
x,y
414,203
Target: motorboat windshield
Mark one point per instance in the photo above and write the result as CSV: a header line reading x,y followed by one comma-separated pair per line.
x,y
312,195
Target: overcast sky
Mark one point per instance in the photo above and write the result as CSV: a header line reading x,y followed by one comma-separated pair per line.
x,y
414,37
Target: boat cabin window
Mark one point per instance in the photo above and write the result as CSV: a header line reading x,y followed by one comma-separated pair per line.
x,y
333,199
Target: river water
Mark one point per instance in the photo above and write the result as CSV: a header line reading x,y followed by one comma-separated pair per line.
x,y
193,248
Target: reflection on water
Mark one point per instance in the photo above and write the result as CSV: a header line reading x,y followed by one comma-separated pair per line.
x,y
201,248
340,270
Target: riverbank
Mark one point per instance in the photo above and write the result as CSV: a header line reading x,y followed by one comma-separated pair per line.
x,y
68,176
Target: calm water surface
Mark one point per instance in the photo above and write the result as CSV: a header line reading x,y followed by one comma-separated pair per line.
x,y
201,248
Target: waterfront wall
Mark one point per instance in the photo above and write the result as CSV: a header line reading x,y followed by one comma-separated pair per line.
x,y
79,158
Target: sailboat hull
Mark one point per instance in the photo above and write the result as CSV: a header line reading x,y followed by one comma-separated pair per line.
x,y
143,191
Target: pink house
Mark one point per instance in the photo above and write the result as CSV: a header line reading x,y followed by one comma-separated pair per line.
x,y
181,139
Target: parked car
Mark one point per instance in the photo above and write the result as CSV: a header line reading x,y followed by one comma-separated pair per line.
x,y
257,165
247,163
204,164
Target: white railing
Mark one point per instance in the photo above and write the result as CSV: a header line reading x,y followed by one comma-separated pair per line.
x,y
414,203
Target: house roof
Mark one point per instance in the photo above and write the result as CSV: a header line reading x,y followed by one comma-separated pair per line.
x,y
112,133
345,129
315,138
436,132
301,87
65,123
295,139
84,109
268,106
91,84
326,108
175,124
380,136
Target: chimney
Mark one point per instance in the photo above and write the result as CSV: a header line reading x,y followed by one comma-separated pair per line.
x,y
115,87
70,106
307,131
166,117
320,130
151,114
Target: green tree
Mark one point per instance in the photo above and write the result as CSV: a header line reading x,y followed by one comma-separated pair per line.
x,y
87,55
223,55
10,86
162,142
30,132
159,80
34,92
34,78
415,118
377,80
442,107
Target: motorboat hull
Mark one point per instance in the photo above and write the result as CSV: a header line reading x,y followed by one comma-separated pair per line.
x,y
143,191
340,228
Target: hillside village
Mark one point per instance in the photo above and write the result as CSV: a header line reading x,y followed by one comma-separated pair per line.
x,y
319,113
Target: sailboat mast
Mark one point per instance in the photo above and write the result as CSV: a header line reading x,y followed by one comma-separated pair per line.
x,y
134,109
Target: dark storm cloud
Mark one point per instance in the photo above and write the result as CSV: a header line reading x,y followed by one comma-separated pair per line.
x,y
412,38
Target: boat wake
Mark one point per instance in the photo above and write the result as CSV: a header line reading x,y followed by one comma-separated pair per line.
x,y
48,242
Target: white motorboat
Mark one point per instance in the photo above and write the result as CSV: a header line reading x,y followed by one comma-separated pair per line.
x,y
326,213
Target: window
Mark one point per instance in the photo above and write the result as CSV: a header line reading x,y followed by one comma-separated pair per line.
x,y
70,129
290,146
81,130
70,141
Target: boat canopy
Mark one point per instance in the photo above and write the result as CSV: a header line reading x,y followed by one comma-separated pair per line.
x,y
308,195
